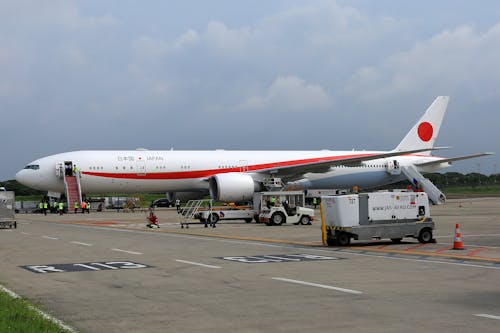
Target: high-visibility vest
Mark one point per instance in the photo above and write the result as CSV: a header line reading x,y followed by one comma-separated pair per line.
x,y
273,199
40,205
315,201
45,205
76,204
61,206
88,205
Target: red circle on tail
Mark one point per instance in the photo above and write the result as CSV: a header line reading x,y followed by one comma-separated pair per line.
x,y
425,131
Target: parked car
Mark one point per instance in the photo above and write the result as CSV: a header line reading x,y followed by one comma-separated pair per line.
x,y
163,202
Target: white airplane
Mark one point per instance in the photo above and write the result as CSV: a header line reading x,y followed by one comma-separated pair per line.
x,y
236,175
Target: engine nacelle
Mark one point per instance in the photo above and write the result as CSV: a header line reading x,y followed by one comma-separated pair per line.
x,y
232,187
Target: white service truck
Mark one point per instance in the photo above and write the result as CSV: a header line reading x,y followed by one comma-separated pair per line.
x,y
378,215
213,215
7,209
276,208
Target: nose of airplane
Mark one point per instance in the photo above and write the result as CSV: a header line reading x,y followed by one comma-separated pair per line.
x,y
21,177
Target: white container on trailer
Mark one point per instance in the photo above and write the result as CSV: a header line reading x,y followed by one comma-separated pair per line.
x,y
393,215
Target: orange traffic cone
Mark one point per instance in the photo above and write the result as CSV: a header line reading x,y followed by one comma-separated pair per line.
x,y
457,242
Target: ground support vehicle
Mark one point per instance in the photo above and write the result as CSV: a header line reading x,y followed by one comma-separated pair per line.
x,y
223,213
276,208
379,215
7,209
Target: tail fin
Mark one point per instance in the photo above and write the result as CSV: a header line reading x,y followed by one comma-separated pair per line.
x,y
426,130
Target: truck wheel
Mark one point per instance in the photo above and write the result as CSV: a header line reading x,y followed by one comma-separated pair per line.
x,y
425,235
343,238
248,220
304,220
278,219
213,218
331,241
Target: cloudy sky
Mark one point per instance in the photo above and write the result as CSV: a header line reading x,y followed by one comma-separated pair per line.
x,y
245,74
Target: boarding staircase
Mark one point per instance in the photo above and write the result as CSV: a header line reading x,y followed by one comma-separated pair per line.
x,y
435,195
73,191
189,211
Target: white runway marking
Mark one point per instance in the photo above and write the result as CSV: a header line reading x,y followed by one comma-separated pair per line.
x,y
350,291
80,243
25,233
48,237
255,243
484,315
131,252
197,263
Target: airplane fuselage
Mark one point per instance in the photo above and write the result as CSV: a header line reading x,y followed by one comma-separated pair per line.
x,y
169,171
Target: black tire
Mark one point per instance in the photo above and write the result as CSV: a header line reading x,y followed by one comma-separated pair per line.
x,y
331,241
396,240
305,220
425,235
278,219
343,239
213,218
248,220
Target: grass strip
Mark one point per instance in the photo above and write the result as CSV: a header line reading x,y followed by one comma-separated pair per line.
x,y
18,315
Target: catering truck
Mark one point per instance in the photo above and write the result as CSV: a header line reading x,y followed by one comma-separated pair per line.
x,y
378,215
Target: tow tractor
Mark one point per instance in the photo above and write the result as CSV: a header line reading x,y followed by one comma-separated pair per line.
x,y
378,215
281,207
7,210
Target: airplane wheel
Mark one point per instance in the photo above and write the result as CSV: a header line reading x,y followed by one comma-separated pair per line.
x,y
248,220
396,240
304,220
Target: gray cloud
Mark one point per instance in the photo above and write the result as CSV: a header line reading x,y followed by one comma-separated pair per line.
x,y
114,76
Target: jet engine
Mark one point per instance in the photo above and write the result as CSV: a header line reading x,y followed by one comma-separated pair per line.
x,y
232,187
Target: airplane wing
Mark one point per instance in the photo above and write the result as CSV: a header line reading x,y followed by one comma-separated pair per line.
x,y
452,159
323,165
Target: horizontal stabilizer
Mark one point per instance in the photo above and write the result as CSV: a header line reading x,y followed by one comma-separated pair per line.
x,y
452,159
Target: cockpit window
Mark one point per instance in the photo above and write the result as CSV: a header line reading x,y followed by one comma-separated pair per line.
x,y
32,167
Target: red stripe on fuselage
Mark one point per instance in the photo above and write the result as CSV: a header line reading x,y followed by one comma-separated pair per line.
x,y
209,173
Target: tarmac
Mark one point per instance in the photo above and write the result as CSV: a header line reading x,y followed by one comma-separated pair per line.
x,y
108,272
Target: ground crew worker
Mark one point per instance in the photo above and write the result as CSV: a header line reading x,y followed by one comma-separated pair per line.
x,y
178,205
273,201
76,206
75,170
61,208
84,206
88,206
315,202
54,207
45,207
40,206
